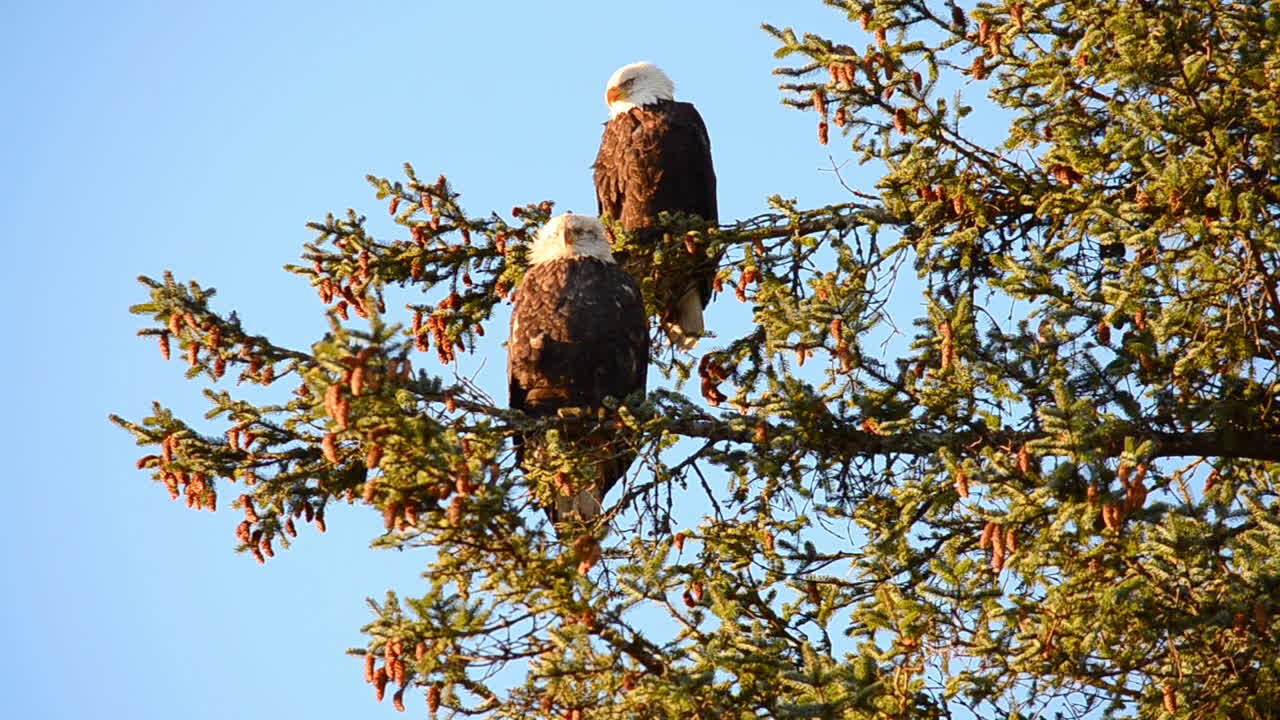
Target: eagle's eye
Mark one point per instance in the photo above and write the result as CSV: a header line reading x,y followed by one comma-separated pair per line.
x,y
629,82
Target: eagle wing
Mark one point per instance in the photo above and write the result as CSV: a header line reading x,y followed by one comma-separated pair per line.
x,y
579,334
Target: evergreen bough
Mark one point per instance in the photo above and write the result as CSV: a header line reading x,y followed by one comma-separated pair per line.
x,y
1060,497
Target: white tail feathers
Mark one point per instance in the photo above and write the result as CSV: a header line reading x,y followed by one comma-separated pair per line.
x,y
583,507
686,327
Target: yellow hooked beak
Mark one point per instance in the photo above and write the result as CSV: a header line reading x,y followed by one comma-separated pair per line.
x,y
614,94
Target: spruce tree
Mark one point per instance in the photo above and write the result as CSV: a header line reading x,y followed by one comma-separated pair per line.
x,y
1060,496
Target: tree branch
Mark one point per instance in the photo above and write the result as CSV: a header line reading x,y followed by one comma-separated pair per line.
x,y
845,440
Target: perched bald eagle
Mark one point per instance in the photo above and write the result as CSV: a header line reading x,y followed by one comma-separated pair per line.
x,y
655,156
579,334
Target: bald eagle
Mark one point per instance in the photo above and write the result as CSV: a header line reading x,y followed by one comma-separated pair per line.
x,y
655,156
579,334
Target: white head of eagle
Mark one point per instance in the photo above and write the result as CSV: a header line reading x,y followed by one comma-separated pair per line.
x,y
568,236
636,85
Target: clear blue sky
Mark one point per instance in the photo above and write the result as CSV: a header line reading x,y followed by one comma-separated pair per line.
x,y
201,137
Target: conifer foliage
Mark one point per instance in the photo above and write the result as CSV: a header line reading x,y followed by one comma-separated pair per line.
x,y
1060,496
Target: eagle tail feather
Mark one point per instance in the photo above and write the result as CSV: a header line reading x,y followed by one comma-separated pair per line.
x,y
686,327
583,507
611,455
